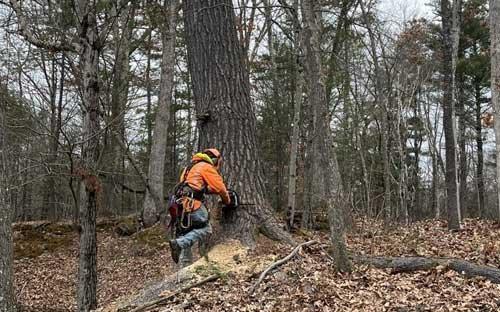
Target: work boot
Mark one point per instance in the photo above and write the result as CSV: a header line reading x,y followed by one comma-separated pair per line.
x,y
175,250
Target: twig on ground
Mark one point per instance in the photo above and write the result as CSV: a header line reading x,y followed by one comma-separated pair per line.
x,y
327,255
280,262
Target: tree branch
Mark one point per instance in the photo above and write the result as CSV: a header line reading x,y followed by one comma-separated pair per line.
x,y
26,32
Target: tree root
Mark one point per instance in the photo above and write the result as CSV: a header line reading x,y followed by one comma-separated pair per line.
x,y
273,230
411,264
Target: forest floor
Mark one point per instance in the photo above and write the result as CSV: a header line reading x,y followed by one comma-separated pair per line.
x,y
46,266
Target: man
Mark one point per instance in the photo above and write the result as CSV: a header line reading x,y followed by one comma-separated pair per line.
x,y
200,178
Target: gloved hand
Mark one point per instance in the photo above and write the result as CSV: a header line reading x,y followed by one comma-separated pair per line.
x,y
234,200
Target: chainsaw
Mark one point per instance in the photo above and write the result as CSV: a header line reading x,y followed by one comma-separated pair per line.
x,y
235,201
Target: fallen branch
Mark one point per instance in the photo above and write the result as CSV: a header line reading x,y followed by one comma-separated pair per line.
x,y
163,300
280,262
410,264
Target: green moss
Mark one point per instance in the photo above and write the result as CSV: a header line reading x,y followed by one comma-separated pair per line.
x,y
56,228
32,241
210,269
108,225
153,237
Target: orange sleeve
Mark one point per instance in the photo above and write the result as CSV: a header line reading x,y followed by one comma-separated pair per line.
x,y
215,183
183,173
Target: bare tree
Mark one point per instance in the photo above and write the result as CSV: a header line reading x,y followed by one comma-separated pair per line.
x,y
297,104
7,303
495,80
381,98
154,193
480,154
326,189
118,95
86,42
90,188
449,35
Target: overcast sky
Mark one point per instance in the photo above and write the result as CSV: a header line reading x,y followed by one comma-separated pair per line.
x,y
404,10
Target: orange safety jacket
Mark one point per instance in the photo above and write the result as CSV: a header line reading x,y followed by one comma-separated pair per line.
x,y
202,177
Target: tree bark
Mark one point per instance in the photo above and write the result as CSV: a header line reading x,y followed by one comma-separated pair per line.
x,y
49,209
326,184
462,159
411,264
480,154
149,95
297,103
225,115
495,82
154,195
417,205
7,299
460,99
448,67
403,183
90,187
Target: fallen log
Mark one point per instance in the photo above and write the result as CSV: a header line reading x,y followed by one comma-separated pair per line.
x,y
165,299
411,264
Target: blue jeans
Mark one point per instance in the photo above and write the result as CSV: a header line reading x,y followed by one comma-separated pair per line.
x,y
187,240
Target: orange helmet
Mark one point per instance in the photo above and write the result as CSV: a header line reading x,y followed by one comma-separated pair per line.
x,y
215,155
212,151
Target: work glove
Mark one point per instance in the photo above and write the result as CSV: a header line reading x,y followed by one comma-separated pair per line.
x,y
234,201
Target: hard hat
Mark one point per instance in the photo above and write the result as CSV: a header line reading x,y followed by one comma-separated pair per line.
x,y
212,151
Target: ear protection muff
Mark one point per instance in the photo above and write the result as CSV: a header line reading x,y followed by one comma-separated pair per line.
x,y
215,161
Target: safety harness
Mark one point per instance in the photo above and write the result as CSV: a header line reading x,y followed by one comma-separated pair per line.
x,y
180,216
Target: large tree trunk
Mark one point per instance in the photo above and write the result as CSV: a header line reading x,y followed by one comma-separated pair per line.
x,y
495,81
225,113
154,193
7,303
90,187
326,184
453,204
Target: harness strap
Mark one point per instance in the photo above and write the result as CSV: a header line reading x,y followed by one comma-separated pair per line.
x,y
189,221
